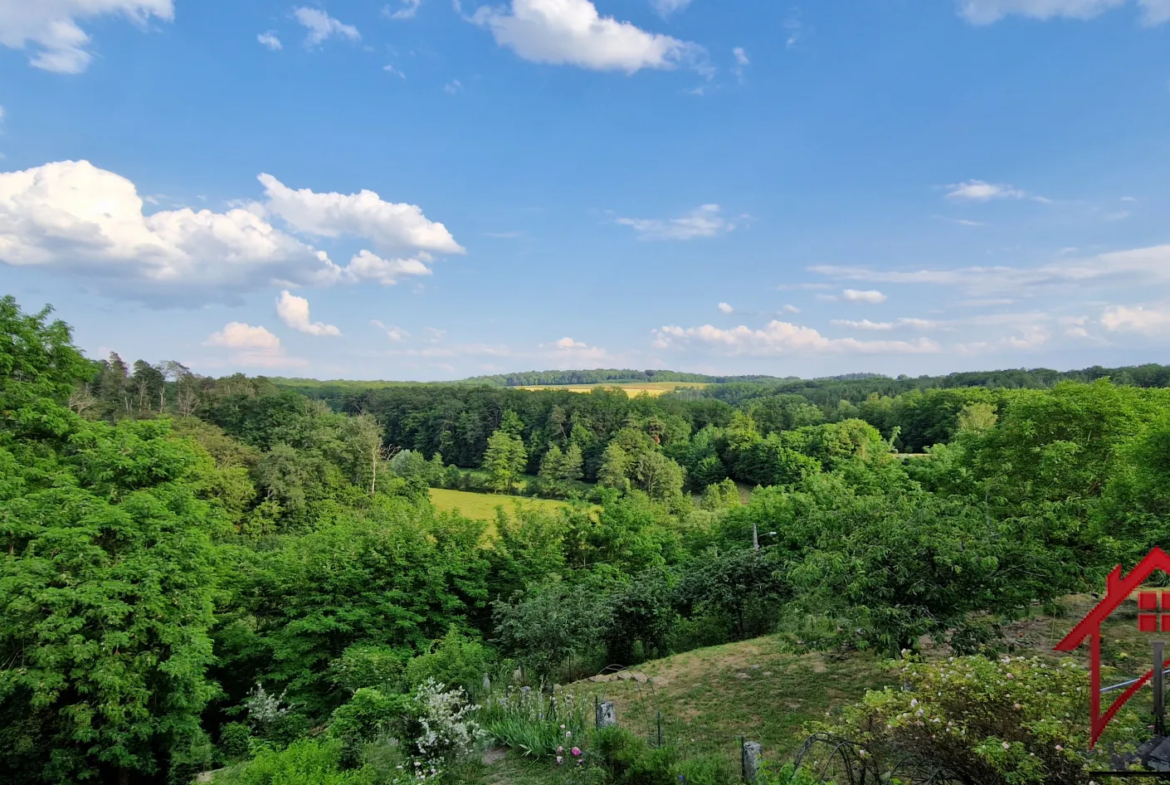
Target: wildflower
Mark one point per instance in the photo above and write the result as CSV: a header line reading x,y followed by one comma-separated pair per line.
x,y
568,734
562,727
576,752
1007,746
560,750
1059,748
560,760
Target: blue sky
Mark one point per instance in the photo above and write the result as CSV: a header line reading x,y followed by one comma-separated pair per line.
x,y
431,190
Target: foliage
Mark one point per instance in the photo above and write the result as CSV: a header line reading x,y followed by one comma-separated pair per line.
x,y
549,624
305,762
1012,720
505,461
454,660
534,724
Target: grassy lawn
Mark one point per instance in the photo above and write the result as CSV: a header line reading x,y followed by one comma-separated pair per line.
x,y
711,697
482,506
653,389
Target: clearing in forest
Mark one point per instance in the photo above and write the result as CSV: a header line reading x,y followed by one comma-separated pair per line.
x,y
482,506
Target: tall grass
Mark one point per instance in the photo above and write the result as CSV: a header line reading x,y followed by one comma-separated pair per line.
x,y
533,722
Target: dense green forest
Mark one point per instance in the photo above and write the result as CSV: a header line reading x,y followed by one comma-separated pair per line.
x,y
227,574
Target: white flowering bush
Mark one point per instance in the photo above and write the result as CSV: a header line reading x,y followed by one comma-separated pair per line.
x,y
1007,721
442,728
264,709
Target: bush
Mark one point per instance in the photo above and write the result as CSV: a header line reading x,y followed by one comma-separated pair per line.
x,y
454,660
994,722
439,724
307,762
629,760
234,743
369,715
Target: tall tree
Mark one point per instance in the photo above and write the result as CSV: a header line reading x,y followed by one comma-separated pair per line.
x,y
505,461
573,464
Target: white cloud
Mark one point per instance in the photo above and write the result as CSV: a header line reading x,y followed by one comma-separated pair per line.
x,y
394,333
864,324
270,40
1136,319
253,346
858,296
984,12
294,311
726,308
1149,266
979,191
572,32
322,26
784,338
51,27
366,266
407,11
74,217
453,87
390,69
703,221
791,309
238,335
668,7
364,214
741,61
570,353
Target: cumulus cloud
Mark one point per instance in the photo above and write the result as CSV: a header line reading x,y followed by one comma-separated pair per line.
x,y
572,32
322,26
394,333
984,12
784,338
74,217
726,308
1136,319
270,40
704,221
388,225
366,266
979,191
294,311
858,296
407,10
742,61
568,352
253,346
864,324
50,26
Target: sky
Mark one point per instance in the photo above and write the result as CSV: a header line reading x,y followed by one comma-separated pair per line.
x,y
427,189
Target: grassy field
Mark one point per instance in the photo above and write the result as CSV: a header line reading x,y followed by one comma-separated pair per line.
x,y
482,506
653,389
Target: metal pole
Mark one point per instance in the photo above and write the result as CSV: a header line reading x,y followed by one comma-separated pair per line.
x,y
1159,688
659,729
755,537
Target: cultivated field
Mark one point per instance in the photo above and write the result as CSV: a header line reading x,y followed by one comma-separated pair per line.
x,y
633,389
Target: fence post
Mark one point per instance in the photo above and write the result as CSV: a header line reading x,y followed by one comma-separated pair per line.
x,y
751,760
659,718
606,714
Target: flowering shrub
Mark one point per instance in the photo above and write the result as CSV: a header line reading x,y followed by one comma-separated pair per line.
x,y
265,710
444,731
1009,721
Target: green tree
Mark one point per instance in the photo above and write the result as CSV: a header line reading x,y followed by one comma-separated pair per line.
x,y
615,468
573,466
552,465
505,461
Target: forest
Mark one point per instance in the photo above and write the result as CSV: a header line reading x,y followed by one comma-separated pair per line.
x,y
247,577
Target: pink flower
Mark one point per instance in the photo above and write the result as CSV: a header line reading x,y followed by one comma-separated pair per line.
x,y
576,751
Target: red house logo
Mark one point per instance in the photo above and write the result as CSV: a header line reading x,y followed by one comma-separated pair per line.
x,y
1153,616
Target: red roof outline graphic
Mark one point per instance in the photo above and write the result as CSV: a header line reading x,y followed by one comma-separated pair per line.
x,y
1117,590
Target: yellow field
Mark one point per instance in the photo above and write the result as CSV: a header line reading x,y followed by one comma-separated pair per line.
x,y
482,506
632,389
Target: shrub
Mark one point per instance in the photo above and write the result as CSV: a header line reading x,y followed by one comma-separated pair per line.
x,y
454,660
234,742
533,724
993,722
369,715
307,762
629,760
439,724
